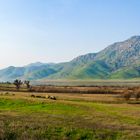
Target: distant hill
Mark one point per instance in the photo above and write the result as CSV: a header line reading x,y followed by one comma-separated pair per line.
x,y
120,60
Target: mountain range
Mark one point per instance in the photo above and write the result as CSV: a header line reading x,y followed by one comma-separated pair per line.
x,y
120,60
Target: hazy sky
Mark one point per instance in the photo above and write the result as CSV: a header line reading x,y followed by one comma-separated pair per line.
x,y
59,30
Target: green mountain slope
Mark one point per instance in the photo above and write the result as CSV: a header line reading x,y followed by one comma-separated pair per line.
x,y
120,60
95,70
125,73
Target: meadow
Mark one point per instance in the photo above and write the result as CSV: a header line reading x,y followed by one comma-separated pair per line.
x,y
72,116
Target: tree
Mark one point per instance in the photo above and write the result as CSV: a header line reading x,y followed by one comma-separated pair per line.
x,y
27,83
17,83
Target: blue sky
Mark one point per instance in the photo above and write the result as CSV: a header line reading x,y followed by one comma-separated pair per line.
x,y
59,30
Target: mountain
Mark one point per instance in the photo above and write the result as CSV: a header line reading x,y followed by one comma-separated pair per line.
x,y
30,72
120,60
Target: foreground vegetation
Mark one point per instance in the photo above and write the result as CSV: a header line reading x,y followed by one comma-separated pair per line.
x,y
71,116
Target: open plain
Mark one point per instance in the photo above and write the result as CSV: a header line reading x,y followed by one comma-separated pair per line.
x,y
85,115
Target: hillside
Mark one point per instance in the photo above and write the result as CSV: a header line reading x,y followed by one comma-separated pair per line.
x,y
120,60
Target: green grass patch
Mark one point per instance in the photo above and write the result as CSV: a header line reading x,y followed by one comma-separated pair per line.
x,y
44,119
22,105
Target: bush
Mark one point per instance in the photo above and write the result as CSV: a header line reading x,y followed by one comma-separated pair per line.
x,y
33,96
127,95
137,94
7,93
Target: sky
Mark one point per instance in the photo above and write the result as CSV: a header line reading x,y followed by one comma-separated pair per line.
x,y
59,30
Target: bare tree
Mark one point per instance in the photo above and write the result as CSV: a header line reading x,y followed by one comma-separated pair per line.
x,y
17,83
27,83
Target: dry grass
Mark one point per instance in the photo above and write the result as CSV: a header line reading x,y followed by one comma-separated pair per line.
x,y
24,117
74,115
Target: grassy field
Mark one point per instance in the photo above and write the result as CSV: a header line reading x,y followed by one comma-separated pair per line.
x,y
71,116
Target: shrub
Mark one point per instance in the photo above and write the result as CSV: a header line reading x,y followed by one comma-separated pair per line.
x,y
33,96
137,94
127,95
7,93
